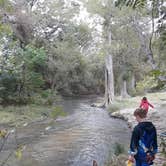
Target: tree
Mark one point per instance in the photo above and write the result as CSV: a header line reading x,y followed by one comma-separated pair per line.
x,y
21,74
157,11
124,50
103,9
63,41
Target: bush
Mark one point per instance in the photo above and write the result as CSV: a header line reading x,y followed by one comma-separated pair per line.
x,y
47,97
118,149
133,92
145,85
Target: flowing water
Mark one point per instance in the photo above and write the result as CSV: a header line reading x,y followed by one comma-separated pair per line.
x,y
86,134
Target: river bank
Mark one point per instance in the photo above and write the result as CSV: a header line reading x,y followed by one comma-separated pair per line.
x,y
156,115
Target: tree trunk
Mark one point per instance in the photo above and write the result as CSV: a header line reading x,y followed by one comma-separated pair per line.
x,y
109,76
124,92
109,80
133,82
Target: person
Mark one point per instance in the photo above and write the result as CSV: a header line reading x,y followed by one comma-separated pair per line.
x,y
145,104
143,144
94,163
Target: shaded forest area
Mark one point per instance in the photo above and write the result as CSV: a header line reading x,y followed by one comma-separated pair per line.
x,y
51,48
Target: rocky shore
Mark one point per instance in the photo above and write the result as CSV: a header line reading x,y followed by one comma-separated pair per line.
x,y
158,117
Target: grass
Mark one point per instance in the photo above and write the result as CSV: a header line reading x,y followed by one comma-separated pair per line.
x,y
16,116
117,155
119,160
133,102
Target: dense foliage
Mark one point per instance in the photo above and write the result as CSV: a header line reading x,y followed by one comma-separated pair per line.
x,y
46,50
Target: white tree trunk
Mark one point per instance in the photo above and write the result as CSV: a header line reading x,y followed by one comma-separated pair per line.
x,y
124,92
133,82
109,80
109,76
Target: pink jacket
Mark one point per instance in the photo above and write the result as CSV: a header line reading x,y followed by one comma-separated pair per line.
x,y
145,105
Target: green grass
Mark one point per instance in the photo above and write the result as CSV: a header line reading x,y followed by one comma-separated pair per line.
x,y
16,116
133,102
6,117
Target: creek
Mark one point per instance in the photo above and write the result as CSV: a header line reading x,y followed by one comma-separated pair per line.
x,y
86,134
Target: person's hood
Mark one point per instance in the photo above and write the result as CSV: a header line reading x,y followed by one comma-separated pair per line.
x,y
145,101
147,126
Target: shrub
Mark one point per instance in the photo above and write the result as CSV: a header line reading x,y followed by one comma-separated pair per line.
x,y
145,85
118,149
46,97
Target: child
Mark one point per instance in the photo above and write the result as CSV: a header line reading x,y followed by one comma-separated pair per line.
x,y
145,104
143,144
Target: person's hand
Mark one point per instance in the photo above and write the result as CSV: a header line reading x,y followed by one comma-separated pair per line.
x,y
131,158
153,109
150,158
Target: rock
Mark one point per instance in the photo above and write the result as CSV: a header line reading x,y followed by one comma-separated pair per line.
x,y
98,105
25,124
48,128
118,115
129,125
